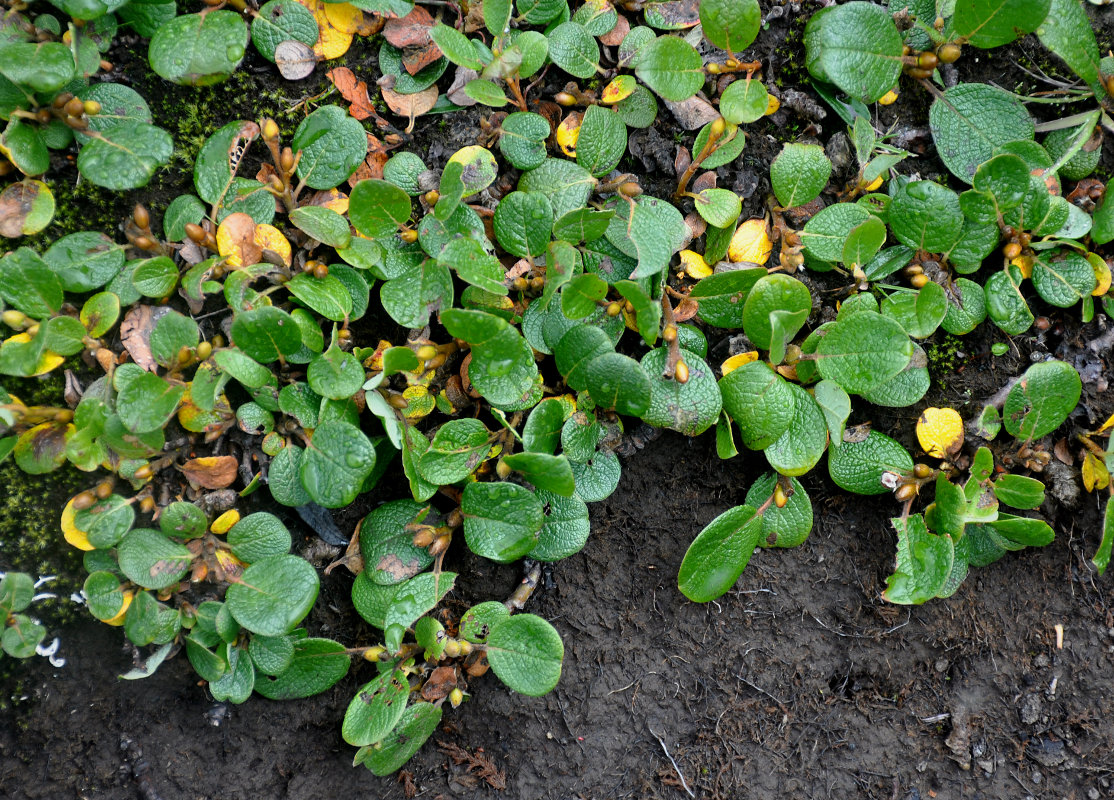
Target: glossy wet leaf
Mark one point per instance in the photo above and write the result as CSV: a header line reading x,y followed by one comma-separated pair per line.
x,y
602,141
824,235
525,653
730,25
522,141
617,381
966,307
799,173
863,351
919,313
770,296
1062,277
789,525
926,216
1005,305
376,708
993,23
279,21
859,465
413,599
199,49
458,447
415,726
719,554
502,368
1067,32
386,544
502,521
316,665
335,464
1040,402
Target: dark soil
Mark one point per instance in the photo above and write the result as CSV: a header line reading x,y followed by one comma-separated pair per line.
x,y
799,683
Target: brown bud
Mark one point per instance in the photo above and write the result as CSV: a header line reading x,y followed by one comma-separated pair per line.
x,y
521,284
927,61
320,271
195,232
669,334
905,492
409,235
1042,323
84,500
43,116
141,217
147,504
922,470
75,107
424,537
630,189
144,243
440,544
681,372
61,100
143,473
104,489
1012,250
949,53
286,161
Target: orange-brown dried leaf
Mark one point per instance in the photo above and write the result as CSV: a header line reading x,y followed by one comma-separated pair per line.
x,y
354,91
410,34
439,683
211,472
616,35
410,105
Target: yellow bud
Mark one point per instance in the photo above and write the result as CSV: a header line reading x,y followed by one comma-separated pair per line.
x,y
452,648
614,309
669,334
204,350
502,470
92,107
14,319
717,129
780,497
375,653
456,697
270,130
426,352
409,235
681,372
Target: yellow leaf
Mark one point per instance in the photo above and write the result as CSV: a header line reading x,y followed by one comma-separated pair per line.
x,y
47,361
874,184
1107,425
1095,474
940,431
619,89
420,402
118,620
345,17
772,105
332,42
568,132
751,242
1102,274
224,522
738,360
269,238
889,98
337,201
694,264
74,535
1025,264
232,566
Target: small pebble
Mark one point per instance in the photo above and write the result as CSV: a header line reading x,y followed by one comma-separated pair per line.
x,y
1036,777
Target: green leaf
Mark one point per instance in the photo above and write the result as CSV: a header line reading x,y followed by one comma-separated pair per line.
x,y
478,621
84,261
332,145
378,208
905,388
525,653
236,684
799,173
1101,559
598,477
316,665
1062,277
966,307
522,223
322,224
456,46
730,25
640,109
502,521
412,599
503,368
1041,400
744,101
858,465
199,49
567,185
182,520
24,146
16,591
327,296
1005,180
565,531
862,351
265,334
617,381
273,595
151,560
1018,491
718,207
719,554
147,403
971,121
1005,305
335,464
835,406
335,374
546,472
1067,32
22,636
760,401
799,449
926,216
458,447
486,93
574,50
522,140
103,594
386,543
28,283
769,295
824,235
993,23
279,21
258,536
416,725
788,526
577,349
43,67
924,562
581,295
653,230
919,313
376,708
497,16
602,141
863,242
857,47
671,67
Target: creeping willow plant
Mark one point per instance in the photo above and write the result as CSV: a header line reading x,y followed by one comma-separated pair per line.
x,y
542,304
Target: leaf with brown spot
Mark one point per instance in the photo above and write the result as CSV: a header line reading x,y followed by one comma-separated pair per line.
x,y
25,208
135,334
410,34
439,683
211,472
616,35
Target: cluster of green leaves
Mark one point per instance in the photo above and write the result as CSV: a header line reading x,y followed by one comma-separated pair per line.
x,y
20,635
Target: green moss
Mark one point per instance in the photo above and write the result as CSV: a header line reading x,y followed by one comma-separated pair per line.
x,y
944,357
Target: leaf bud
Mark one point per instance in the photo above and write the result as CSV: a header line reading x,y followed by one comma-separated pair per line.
x,y
84,500
630,189
218,341
375,653
344,334
919,281
61,100
195,232
949,53
144,243
424,537
270,129
185,355
320,271
502,470
432,196
286,160
681,372
141,216
1012,250
564,99
147,504
452,648
922,471
440,544
614,309
104,489
456,697
927,61
43,116
409,235
204,350
1042,323
75,107
905,492
92,107
143,473
1109,83
714,69
717,129
14,319
731,63
780,497
669,334
33,329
